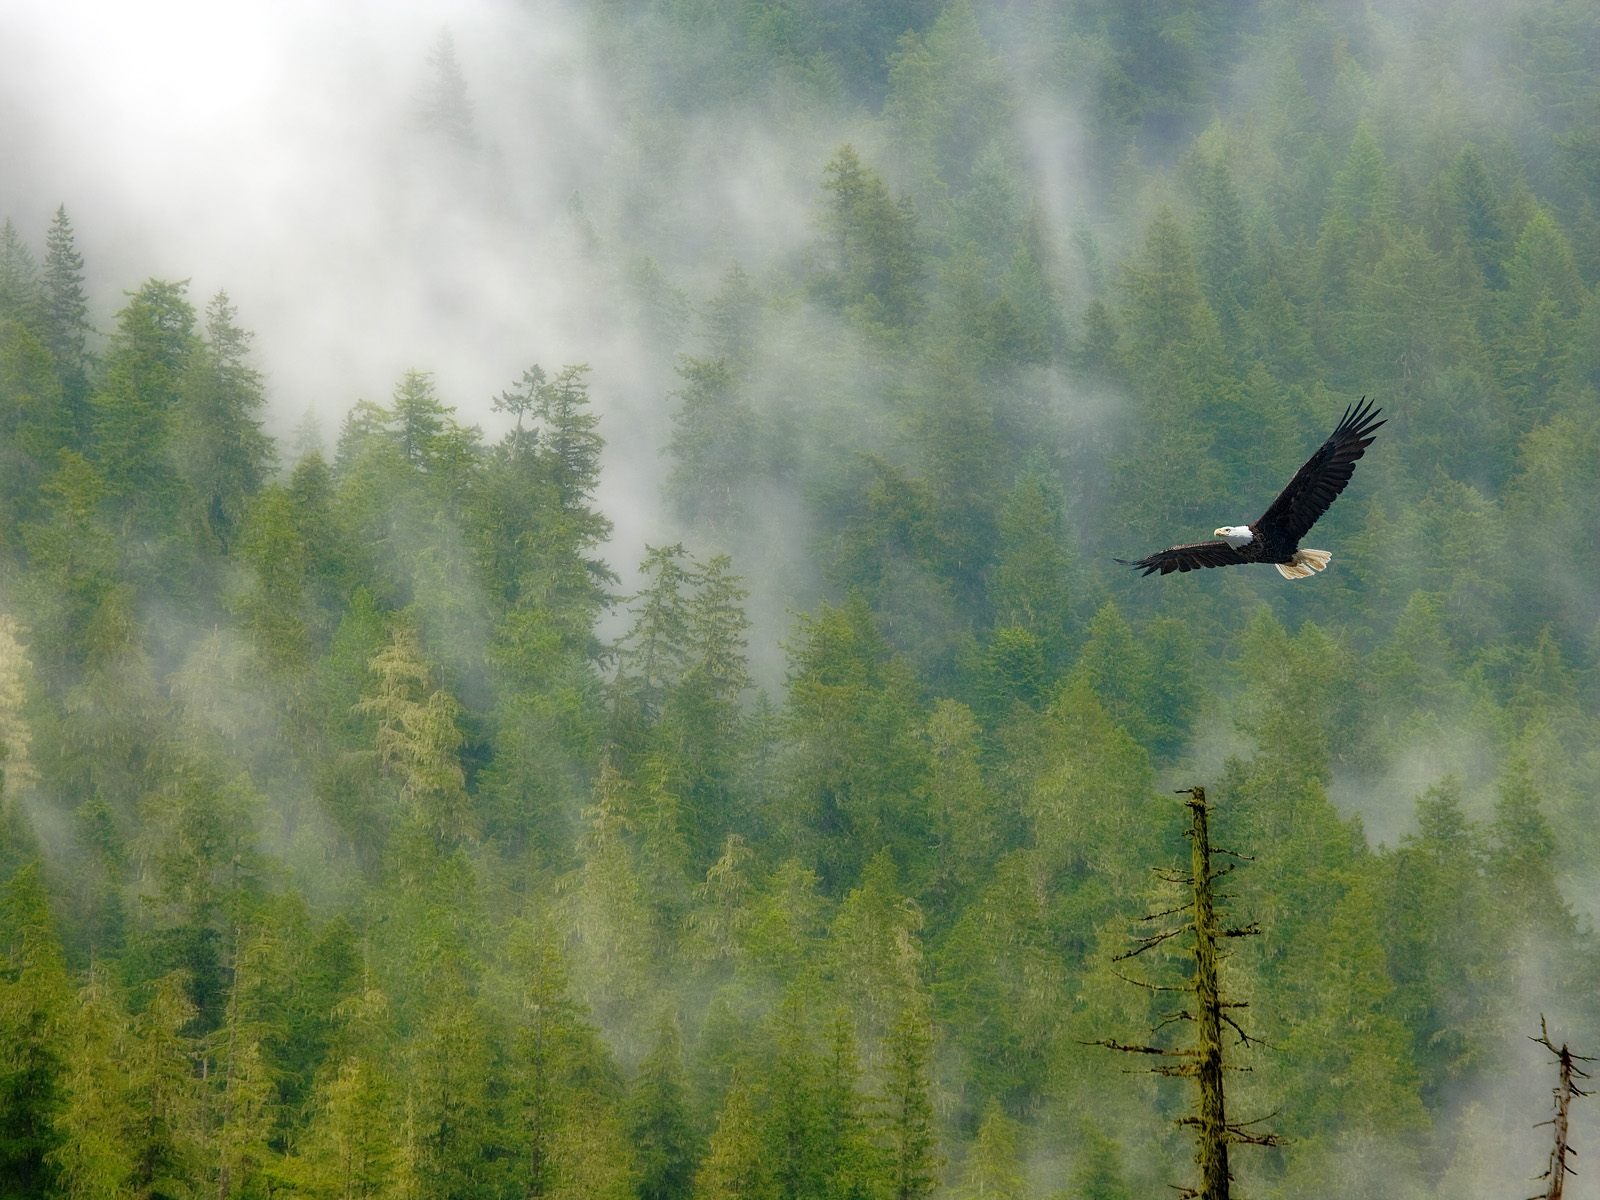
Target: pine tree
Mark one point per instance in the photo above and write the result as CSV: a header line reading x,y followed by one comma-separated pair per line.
x,y
713,447
948,100
452,1080
166,1134
658,1121
348,1150
17,773
736,1166
794,1125
854,1168
444,109
223,453
36,1012
133,413
855,759
20,296
993,1169
1028,586
875,950
1478,212
906,1125
1441,954
66,318
968,822
877,258
732,320
99,1153
34,423
245,1097
418,740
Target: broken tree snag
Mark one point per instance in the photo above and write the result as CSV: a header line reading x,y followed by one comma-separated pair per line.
x,y
1566,1088
1203,1060
1211,1150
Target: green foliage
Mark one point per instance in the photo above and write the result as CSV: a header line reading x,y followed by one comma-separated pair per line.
x,y
658,1122
35,1010
134,410
383,850
875,256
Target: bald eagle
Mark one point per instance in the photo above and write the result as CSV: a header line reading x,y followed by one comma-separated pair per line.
x,y
1275,537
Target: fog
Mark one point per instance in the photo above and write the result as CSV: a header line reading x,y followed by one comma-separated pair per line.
x,y
289,154
277,151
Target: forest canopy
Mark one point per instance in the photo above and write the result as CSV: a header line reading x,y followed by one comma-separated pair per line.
x,y
718,757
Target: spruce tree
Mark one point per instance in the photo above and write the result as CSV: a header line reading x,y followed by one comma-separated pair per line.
x,y
907,1133
66,316
658,1121
222,451
36,1012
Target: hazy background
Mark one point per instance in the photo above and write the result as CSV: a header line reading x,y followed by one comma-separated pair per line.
x,y
608,180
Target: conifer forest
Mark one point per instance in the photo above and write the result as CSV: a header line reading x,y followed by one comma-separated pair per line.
x,y
559,637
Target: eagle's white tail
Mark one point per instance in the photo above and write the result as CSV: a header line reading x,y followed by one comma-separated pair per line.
x,y
1304,563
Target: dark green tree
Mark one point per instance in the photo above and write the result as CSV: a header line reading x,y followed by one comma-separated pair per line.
x,y
222,452
134,410
875,253
66,318
907,1133
658,1121
36,1011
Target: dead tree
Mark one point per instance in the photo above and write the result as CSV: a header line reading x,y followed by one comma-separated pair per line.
x,y
1567,1072
1203,1060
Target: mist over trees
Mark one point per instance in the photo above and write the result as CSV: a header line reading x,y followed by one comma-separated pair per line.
x,y
723,760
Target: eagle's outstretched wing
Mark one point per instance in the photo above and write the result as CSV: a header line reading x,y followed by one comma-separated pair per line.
x,y
1191,557
1317,484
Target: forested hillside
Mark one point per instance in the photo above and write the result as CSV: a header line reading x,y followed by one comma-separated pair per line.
x,y
729,766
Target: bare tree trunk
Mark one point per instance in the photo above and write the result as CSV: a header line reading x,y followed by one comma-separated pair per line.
x,y
1565,1089
1211,1150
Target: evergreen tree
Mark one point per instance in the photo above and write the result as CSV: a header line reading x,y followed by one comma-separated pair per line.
x,y
444,109
872,239
1440,956
163,1090
419,741
349,1148
99,1150
713,447
968,823
993,1170
245,1098
658,1121
855,759
20,295
36,1011
854,1169
948,100
134,411
223,453
907,1133
452,1124
794,1121
66,317
736,1166
1478,211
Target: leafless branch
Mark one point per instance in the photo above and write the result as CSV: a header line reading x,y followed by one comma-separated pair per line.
x,y
1152,987
1151,942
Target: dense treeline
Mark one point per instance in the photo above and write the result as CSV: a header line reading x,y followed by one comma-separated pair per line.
x,y
362,838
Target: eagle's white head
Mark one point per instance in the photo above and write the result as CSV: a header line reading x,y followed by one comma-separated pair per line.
x,y
1235,535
